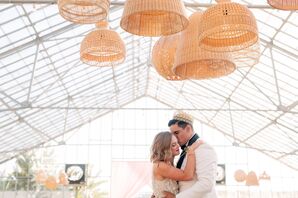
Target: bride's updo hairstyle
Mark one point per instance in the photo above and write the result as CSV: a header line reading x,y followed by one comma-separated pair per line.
x,y
161,147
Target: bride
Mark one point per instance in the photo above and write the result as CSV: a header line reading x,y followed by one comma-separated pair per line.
x,y
165,176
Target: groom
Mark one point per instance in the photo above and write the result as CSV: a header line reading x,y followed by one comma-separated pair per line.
x,y
203,183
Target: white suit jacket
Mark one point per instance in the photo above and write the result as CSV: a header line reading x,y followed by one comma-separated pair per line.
x,y
203,183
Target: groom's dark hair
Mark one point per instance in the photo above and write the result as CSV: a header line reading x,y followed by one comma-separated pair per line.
x,y
180,123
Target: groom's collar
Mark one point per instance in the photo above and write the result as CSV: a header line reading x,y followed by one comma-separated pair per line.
x,y
190,141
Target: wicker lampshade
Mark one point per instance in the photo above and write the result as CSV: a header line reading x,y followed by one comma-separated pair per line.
x,y
240,175
247,57
284,4
51,183
252,179
84,11
227,26
163,54
154,17
196,63
63,178
102,47
264,176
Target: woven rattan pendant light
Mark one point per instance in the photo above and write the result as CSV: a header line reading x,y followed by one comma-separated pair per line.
x,y
247,57
240,175
227,26
84,11
102,47
284,4
154,17
194,62
264,176
252,179
163,55
51,183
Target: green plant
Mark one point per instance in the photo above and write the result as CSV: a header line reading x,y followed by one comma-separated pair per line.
x,y
91,190
22,178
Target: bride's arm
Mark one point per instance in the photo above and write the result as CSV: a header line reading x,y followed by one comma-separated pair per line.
x,y
169,171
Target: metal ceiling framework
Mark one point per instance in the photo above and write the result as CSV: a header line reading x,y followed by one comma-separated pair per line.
x,y
45,91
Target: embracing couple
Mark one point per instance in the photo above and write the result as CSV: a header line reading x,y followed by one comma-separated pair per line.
x,y
194,174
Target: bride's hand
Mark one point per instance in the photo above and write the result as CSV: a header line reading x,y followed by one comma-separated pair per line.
x,y
193,147
168,194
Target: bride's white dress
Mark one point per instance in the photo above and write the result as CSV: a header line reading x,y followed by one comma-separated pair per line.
x,y
168,185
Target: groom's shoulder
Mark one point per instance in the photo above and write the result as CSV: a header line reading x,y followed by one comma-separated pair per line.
x,y
206,149
205,145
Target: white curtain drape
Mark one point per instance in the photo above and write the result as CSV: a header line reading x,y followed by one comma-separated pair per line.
x,y
129,177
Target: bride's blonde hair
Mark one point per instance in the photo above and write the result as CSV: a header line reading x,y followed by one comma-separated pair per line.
x,y
161,147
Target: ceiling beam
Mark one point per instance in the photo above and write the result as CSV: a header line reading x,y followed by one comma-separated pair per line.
x,y
38,39
52,107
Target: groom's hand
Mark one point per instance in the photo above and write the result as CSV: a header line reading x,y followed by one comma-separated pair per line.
x,y
168,194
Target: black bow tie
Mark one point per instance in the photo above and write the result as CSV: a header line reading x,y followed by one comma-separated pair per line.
x,y
183,147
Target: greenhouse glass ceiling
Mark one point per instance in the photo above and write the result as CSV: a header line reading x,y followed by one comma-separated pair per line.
x,y
46,91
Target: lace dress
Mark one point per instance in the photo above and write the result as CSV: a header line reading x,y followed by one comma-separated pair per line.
x,y
168,185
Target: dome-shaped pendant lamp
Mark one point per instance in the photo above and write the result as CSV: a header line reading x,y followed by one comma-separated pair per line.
x,y
102,47
84,11
252,179
51,183
227,26
284,4
163,55
240,175
153,17
247,57
193,62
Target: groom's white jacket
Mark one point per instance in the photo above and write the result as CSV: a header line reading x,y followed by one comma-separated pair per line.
x,y
203,183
